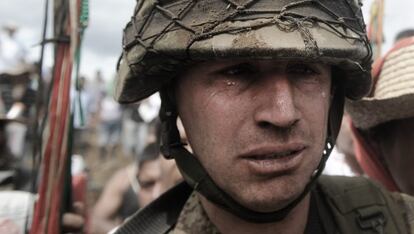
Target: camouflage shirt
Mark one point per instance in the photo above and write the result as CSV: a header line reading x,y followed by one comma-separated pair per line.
x,y
340,202
407,203
193,219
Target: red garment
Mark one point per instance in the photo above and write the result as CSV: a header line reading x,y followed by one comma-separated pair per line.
x,y
368,159
79,186
366,155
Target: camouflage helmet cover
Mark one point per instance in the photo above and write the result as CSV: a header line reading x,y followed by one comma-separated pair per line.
x,y
164,36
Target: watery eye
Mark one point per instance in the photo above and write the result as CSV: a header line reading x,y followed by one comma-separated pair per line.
x,y
237,70
303,69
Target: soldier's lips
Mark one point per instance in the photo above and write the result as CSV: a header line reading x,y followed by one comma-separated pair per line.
x,y
274,161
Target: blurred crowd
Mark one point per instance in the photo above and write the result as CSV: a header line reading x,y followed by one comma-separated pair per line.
x,y
107,139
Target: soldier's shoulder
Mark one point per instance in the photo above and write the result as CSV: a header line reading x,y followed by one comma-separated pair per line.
x,y
407,206
356,196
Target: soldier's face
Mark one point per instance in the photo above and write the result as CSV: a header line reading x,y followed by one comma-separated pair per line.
x,y
257,126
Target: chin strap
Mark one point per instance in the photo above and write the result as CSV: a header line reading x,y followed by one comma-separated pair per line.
x,y
196,176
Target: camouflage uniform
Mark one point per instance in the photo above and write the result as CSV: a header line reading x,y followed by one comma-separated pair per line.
x,y
193,219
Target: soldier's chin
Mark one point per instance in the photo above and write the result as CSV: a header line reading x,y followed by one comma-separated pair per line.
x,y
268,205
265,197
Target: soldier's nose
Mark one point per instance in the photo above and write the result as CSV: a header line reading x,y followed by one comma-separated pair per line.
x,y
277,107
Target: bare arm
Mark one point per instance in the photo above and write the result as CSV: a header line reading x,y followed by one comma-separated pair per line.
x,y
104,215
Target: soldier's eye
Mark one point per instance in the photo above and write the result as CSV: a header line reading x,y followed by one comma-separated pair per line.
x,y
243,70
302,69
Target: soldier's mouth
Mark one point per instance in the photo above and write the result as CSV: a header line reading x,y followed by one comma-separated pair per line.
x,y
274,155
274,162
265,153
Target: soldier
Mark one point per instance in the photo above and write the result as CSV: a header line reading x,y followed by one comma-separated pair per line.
x,y
259,86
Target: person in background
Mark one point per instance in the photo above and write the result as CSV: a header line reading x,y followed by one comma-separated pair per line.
x,y
79,101
140,125
17,97
383,123
12,171
11,176
131,126
15,86
12,52
128,190
97,91
17,205
109,131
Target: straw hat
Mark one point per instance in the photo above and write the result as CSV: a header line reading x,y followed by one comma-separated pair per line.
x,y
392,96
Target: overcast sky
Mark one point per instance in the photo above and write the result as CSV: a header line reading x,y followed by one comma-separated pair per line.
x,y
102,40
102,43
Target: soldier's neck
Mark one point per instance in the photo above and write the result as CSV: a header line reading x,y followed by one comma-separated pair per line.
x,y
226,223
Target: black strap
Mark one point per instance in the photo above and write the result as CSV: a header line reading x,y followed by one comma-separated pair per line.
x,y
159,216
197,177
314,223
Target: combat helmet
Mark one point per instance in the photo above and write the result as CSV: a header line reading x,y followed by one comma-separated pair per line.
x,y
165,36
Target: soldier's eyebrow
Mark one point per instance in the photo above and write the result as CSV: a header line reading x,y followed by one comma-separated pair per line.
x,y
230,65
245,65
